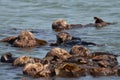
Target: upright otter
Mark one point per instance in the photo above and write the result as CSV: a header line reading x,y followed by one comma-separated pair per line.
x,y
64,38
100,23
24,39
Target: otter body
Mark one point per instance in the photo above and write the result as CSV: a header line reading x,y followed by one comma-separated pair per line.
x,y
25,39
64,38
61,24
101,23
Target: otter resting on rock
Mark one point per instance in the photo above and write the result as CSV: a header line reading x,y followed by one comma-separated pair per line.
x,y
64,38
101,23
24,39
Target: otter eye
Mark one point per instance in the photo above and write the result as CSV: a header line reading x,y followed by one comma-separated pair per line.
x,y
33,69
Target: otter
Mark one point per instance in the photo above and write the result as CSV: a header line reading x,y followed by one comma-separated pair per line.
x,y
24,39
61,24
64,38
7,58
75,64
101,23
59,53
80,51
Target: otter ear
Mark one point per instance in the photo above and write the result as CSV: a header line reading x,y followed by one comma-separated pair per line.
x,y
95,17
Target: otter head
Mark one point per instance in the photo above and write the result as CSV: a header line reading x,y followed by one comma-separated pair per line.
x,y
80,51
99,22
25,39
32,68
7,57
63,37
59,53
22,60
60,24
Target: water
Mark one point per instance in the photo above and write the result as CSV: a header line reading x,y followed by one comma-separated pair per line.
x,y
38,15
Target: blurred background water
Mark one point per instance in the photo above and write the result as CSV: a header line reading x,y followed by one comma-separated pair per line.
x,y
38,15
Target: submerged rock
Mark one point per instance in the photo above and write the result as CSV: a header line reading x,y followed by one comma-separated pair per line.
x,y
24,39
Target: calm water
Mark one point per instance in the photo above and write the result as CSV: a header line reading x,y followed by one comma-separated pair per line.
x,y
37,15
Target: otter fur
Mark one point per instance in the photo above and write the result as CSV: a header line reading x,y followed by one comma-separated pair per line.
x,y
25,39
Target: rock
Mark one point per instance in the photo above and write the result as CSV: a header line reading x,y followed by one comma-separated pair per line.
x,y
59,53
80,51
